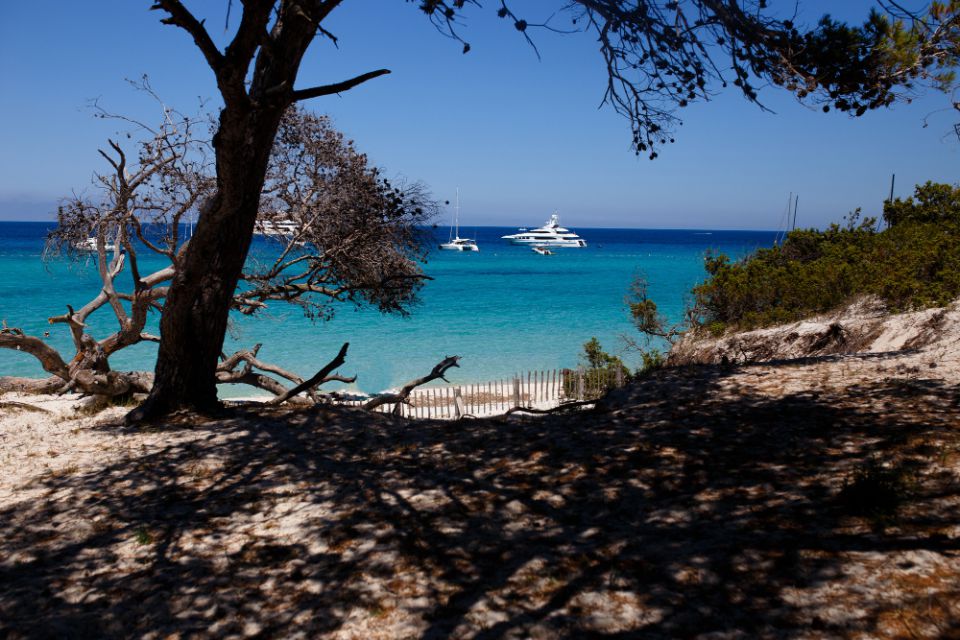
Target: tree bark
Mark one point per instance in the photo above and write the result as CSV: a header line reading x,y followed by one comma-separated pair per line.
x,y
194,319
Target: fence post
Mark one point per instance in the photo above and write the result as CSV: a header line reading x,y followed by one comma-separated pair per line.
x,y
581,382
457,404
516,391
619,377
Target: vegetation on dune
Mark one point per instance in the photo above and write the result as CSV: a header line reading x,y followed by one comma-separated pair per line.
x,y
913,263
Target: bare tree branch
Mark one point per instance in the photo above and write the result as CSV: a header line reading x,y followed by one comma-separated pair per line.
x,y
339,87
318,378
181,17
437,373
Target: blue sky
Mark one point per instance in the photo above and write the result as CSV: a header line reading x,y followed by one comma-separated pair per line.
x,y
519,136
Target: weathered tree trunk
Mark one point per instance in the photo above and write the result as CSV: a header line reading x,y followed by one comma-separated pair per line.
x,y
195,314
194,319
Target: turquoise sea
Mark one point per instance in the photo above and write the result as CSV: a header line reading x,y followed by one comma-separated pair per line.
x,y
504,309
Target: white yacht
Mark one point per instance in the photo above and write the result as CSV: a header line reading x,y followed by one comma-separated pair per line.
x,y
550,234
276,227
90,244
456,243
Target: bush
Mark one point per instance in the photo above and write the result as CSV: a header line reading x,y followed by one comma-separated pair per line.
x,y
602,372
914,263
652,360
875,490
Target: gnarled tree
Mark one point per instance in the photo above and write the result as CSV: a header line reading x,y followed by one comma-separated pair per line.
x,y
353,238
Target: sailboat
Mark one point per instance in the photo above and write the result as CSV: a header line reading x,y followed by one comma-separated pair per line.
x,y
456,243
789,220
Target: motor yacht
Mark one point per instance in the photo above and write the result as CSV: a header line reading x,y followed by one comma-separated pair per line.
x,y
550,234
276,227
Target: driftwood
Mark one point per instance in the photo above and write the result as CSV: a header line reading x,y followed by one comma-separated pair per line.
x,y
401,397
22,406
30,385
319,378
566,406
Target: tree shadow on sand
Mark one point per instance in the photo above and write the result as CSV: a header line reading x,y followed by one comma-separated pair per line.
x,y
684,512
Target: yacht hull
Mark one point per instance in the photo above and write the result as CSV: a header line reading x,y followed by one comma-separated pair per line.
x,y
546,242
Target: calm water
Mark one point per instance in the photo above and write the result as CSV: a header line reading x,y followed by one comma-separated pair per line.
x,y
504,309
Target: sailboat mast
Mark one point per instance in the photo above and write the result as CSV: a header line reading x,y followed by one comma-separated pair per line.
x,y
456,214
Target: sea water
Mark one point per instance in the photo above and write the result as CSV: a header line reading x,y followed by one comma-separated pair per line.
x,y
504,309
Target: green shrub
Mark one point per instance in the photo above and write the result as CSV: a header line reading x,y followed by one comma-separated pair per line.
x,y
651,361
914,263
601,373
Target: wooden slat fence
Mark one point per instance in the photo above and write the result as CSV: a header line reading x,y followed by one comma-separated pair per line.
x,y
534,389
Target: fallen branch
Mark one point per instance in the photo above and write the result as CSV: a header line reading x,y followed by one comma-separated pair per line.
x,y
401,396
558,409
318,379
33,386
10,404
253,379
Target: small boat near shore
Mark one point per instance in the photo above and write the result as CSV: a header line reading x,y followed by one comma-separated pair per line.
x,y
544,251
551,234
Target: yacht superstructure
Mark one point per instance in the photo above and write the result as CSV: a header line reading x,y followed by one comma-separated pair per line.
x,y
276,227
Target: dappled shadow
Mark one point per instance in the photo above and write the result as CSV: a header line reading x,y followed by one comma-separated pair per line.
x,y
691,509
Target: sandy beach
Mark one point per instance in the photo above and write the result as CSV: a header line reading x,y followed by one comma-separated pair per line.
x,y
704,501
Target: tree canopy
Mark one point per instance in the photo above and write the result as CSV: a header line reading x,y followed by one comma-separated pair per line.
x,y
663,55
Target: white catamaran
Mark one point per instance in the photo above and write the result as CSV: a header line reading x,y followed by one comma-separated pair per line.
x,y
456,243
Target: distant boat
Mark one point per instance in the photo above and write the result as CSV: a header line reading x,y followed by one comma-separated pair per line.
x,y
789,220
456,243
542,250
285,228
90,244
550,234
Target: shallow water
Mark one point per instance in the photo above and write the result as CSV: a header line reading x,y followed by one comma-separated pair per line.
x,y
504,309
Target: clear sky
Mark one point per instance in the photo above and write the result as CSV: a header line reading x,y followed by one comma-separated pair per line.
x,y
519,136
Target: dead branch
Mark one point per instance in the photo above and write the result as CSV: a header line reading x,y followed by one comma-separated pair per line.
x,y
253,379
401,396
337,87
319,378
32,386
50,360
566,406
23,406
